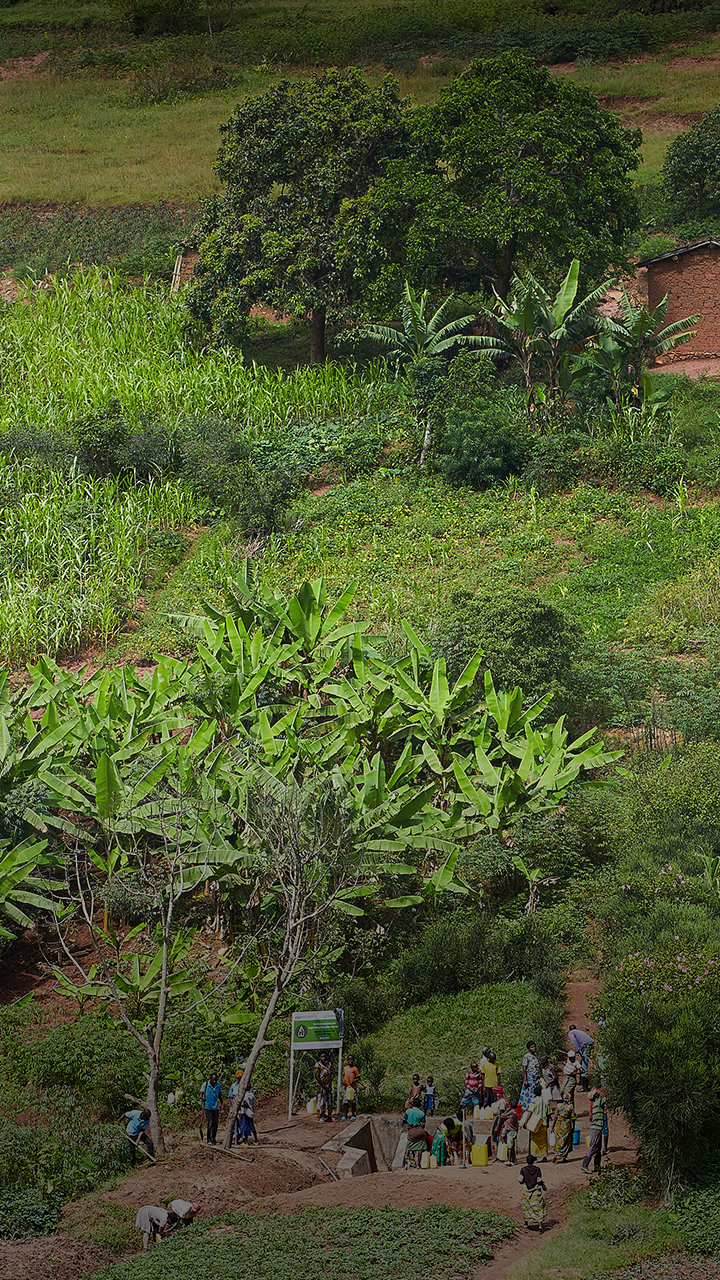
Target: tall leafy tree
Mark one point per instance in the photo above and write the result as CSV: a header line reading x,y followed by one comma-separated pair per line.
x,y
293,161
513,167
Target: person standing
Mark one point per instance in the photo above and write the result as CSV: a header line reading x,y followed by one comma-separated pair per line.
x,y
538,1136
582,1043
350,1079
211,1094
430,1097
531,1075
323,1088
563,1124
136,1132
505,1130
533,1197
415,1093
473,1094
549,1079
246,1118
491,1078
597,1124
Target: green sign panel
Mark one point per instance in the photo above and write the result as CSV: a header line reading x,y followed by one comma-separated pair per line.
x,y
316,1030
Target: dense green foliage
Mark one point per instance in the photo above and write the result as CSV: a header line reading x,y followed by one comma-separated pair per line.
x,y
295,163
133,240
370,1244
691,172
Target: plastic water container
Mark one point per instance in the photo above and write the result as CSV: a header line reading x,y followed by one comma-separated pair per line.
x,y
312,1107
576,1138
479,1154
433,1162
477,1112
425,1160
502,1151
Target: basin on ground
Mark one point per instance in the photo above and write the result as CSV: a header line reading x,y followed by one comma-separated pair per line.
x,y
371,1144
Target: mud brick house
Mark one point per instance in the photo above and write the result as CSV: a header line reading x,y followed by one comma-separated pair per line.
x,y
690,277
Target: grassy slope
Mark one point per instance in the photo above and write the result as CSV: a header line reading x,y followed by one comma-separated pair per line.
x,y
439,1037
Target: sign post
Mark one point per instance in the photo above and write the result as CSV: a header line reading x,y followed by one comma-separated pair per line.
x,y
319,1030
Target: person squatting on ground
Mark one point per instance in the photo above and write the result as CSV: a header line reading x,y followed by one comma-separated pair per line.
x,y
597,1124
505,1129
135,1131
323,1088
211,1095
351,1080
533,1196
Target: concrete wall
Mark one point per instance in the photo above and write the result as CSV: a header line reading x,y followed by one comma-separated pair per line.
x,y
692,283
368,1145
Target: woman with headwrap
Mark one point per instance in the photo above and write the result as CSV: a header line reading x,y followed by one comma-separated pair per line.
x,y
533,1196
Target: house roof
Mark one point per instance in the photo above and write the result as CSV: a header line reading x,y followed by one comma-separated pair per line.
x,y
680,251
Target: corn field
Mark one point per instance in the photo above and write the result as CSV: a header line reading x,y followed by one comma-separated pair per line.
x,y
89,340
74,555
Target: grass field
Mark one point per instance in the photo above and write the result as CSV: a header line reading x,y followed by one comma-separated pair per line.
x,y
435,1038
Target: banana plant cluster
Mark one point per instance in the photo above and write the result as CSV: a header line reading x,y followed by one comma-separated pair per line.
x,y
282,691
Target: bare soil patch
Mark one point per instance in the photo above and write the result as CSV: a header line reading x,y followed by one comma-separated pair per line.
x,y
16,68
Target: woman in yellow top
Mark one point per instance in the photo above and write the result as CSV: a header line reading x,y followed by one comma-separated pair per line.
x,y
491,1077
538,1136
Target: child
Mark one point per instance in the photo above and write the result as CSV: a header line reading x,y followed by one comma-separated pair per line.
x,y
350,1079
247,1128
415,1093
430,1097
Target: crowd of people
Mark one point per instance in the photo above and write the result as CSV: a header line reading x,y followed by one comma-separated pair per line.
x,y
545,1108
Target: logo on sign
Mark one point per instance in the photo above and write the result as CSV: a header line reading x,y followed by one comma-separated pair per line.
x,y
301,1032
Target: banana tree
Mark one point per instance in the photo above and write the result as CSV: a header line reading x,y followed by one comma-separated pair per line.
x,y
541,332
641,339
425,336
20,886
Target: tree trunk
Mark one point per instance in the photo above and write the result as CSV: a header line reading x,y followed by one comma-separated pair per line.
x,y
156,1128
504,268
253,1056
317,335
427,438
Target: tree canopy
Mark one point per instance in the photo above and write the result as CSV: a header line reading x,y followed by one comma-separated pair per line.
x,y
293,161
512,166
691,172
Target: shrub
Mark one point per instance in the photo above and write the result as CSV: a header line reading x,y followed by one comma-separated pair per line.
x,y
29,1213
97,1060
479,447
691,172
161,17
525,641
653,245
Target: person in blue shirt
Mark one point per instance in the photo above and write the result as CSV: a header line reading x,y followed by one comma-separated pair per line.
x,y
211,1094
136,1131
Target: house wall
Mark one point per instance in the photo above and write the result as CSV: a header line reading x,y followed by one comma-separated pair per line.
x,y
692,283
